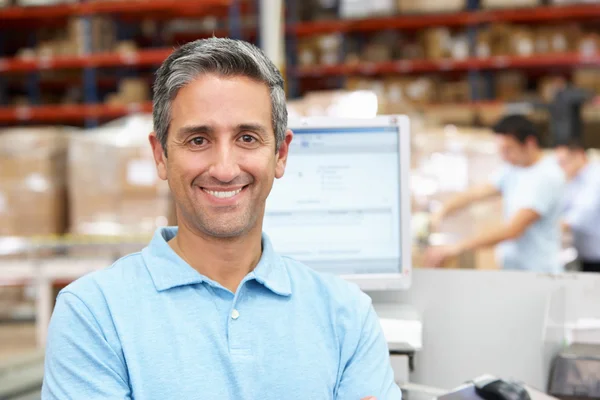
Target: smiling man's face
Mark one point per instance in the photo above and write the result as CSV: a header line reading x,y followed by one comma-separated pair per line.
x,y
221,154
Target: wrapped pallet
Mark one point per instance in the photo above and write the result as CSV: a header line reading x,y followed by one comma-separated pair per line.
x,y
32,181
113,184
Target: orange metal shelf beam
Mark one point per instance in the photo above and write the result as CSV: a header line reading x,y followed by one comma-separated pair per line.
x,y
465,18
417,66
69,113
140,58
131,7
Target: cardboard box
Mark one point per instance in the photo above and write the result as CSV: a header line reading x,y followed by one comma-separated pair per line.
x,y
510,86
455,92
436,42
508,3
134,90
422,90
589,44
32,181
308,52
382,47
430,6
588,78
329,49
522,42
494,41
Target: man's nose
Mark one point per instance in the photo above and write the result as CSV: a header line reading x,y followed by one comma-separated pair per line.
x,y
224,166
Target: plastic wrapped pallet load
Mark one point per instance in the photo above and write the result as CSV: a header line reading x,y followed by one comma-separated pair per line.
x,y
32,181
114,187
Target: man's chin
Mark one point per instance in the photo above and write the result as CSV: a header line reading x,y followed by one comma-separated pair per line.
x,y
225,230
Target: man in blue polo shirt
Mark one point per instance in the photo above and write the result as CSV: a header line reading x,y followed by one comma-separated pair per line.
x,y
209,310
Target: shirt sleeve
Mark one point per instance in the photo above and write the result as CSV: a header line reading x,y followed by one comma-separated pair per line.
x,y
498,178
580,216
368,371
80,363
540,193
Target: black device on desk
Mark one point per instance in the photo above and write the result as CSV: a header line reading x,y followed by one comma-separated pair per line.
x,y
501,390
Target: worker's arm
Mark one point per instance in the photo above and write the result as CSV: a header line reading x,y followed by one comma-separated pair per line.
x,y
513,229
80,363
537,196
462,200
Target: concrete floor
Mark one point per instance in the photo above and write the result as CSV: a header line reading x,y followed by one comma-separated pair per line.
x,y
16,338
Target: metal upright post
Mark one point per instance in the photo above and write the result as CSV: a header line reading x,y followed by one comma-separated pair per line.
x,y
33,78
3,88
474,77
235,20
90,88
291,50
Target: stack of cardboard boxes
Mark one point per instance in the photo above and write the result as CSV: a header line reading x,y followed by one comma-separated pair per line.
x,y
101,182
113,184
32,181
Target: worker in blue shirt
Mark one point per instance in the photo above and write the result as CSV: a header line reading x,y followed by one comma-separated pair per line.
x,y
531,186
209,310
581,212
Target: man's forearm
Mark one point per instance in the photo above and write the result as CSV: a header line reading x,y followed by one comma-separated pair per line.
x,y
488,238
456,203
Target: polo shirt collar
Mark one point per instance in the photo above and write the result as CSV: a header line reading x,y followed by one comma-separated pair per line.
x,y
168,270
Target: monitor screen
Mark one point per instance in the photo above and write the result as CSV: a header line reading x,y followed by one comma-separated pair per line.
x,y
338,207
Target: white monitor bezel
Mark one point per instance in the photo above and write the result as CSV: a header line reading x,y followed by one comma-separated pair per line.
x,y
377,282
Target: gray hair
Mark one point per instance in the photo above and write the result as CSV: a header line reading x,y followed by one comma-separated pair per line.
x,y
225,57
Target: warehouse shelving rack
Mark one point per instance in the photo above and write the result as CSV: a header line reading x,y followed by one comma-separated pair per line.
x,y
92,111
471,19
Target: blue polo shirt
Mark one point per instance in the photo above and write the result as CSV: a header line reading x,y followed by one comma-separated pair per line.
x,y
152,327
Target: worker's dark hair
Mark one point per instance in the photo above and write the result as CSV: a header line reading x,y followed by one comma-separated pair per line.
x,y
518,126
573,144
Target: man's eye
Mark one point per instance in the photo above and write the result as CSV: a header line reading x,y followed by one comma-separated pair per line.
x,y
197,141
247,139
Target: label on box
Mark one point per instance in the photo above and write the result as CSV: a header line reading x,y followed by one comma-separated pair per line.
x,y
37,183
559,43
587,48
525,47
141,173
3,205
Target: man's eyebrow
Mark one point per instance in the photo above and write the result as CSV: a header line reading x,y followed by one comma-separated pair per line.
x,y
253,128
194,129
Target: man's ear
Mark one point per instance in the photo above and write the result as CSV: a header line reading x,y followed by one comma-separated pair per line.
x,y
160,158
282,154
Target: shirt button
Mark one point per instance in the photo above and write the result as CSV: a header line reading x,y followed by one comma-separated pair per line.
x,y
235,314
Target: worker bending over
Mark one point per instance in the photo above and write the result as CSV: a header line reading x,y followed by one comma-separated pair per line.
x,y
531,186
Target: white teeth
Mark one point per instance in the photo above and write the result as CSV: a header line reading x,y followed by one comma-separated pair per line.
x,y
223,195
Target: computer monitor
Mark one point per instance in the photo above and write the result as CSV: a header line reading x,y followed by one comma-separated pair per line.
x,y
343,204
